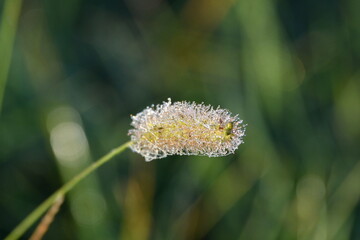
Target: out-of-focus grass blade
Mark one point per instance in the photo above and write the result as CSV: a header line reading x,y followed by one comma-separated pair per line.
x,y
8,27
64,126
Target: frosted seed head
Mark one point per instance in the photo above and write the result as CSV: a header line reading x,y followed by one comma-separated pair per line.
x,y
184,128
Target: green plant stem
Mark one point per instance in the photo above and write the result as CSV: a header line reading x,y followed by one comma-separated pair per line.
x,y
41,209
9,22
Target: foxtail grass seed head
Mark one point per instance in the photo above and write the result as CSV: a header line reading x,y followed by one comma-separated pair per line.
x,y
184,128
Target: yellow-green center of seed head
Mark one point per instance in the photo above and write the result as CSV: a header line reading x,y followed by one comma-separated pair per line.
x,y
228,130
180,130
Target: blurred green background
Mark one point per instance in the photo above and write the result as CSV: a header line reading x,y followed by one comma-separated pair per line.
x,y
72,72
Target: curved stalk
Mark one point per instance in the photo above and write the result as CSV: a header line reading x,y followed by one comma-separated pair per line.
x,y
41,209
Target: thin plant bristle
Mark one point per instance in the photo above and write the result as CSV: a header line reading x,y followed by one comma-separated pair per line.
x,y
184,128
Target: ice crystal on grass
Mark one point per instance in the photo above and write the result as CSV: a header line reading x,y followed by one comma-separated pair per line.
x,y
184,128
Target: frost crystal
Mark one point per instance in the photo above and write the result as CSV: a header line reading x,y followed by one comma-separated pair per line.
x,y
184,128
